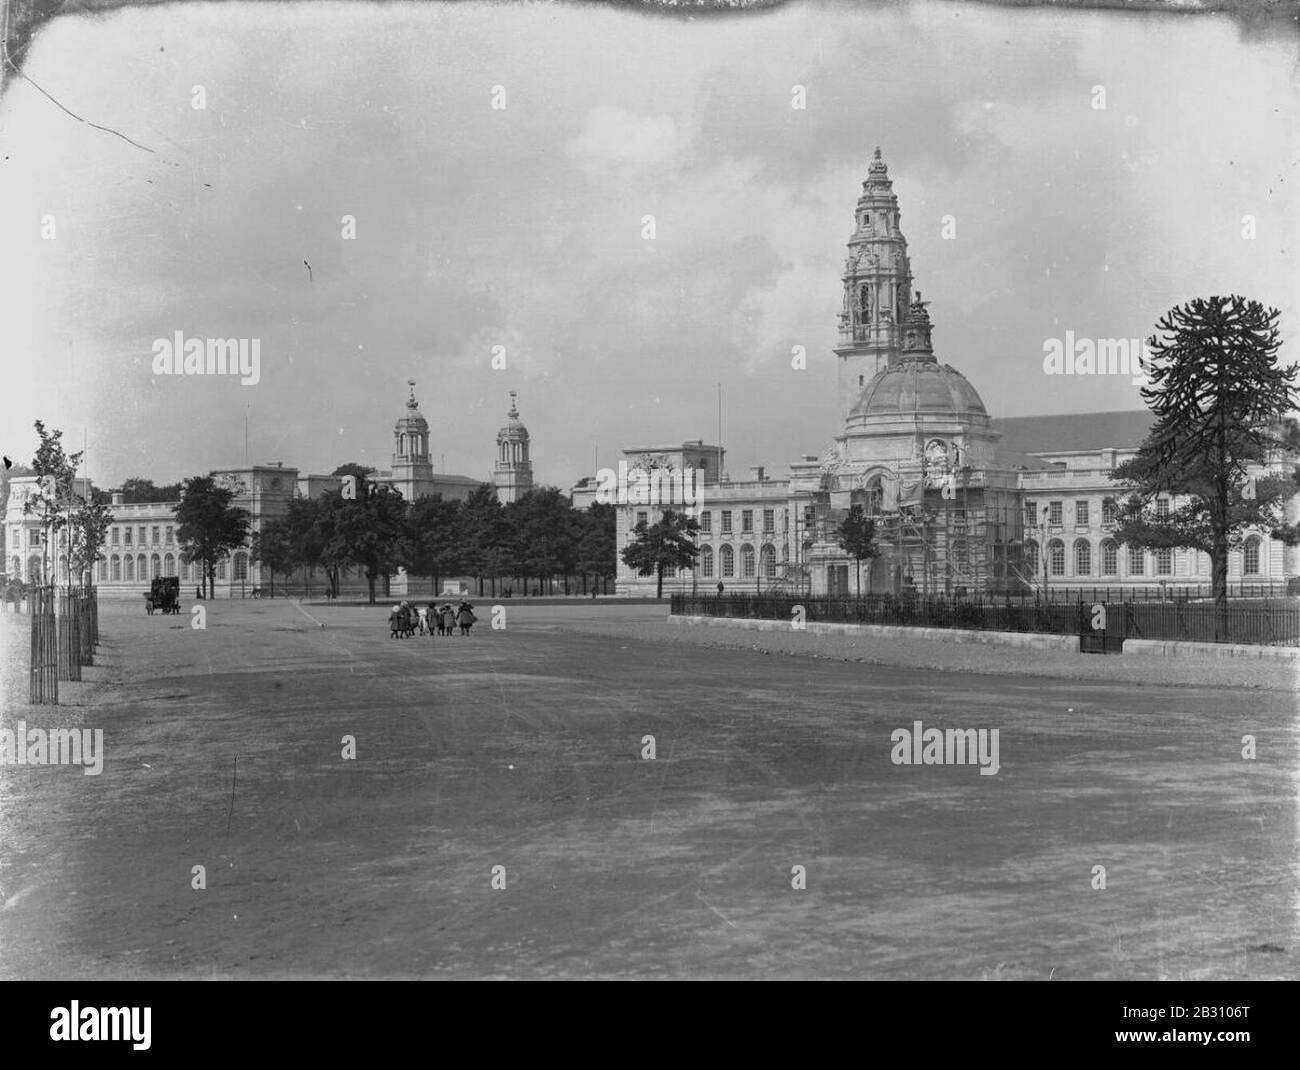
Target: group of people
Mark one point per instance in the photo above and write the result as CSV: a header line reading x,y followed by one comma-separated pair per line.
x,y
407,620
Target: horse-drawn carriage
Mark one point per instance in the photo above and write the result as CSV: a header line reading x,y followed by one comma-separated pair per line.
x,y
164,595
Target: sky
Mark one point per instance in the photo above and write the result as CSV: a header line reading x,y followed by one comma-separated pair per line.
x,y
522,227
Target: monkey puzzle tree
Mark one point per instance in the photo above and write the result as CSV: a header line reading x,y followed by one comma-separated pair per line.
x,y
1223,411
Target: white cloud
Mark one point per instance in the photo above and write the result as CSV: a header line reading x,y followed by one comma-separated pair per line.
x,y
614,135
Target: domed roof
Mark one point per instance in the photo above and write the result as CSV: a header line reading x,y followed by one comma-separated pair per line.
x,y
919,386
411,419
514,429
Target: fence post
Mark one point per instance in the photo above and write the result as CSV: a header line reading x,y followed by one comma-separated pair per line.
x,y
44,665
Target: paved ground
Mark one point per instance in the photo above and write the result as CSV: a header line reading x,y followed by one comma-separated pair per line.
x,y
521,748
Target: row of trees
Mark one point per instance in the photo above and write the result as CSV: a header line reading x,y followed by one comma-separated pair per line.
x,y
535,539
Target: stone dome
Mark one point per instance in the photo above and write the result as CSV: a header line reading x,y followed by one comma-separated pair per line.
x,y
514,429
412,419
919,386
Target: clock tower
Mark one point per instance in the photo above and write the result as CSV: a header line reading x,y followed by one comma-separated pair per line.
x,y
877,288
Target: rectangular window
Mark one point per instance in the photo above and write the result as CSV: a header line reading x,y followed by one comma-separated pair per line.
x,y
706,522
642,517
1055,513
128,536
117,536
1162,507
1108,511
1136,562
155,534
1031,515
1081,514
1164,561
769,521
747,520
141,533
726,521
169,534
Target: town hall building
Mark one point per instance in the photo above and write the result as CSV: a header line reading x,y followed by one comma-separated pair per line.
x,y
961,502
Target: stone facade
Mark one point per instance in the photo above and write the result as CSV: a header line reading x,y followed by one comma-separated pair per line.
x,y
960,502
142,542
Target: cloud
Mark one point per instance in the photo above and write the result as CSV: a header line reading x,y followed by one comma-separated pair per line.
x,y
616,136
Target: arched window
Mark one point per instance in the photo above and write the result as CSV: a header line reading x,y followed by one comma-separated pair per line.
x,y
1056,557
1032,564
1082,557
768,557
155,566
747,562
116,568
728,560
1137,561
169,565
1109,558
241,566
1250,557
130,569
706,560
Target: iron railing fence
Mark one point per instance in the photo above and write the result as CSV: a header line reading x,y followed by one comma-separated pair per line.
x,y
1266,622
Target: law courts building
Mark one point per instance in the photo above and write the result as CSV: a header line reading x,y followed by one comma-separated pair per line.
x,y
142,543
960,501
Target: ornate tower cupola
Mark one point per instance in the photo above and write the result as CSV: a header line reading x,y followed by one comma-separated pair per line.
x,y
513,474
877,287
412,469
411,433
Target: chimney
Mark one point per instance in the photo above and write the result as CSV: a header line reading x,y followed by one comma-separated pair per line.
x,y
118,498
758,470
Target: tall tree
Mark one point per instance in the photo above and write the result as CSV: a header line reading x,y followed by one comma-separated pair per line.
x,y
434,539
482,531
208,526
1221,404
541,534
369,531
89,527
52,498
597,543
668,543
856,536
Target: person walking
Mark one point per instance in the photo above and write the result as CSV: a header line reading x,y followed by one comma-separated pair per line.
x,y
465,617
